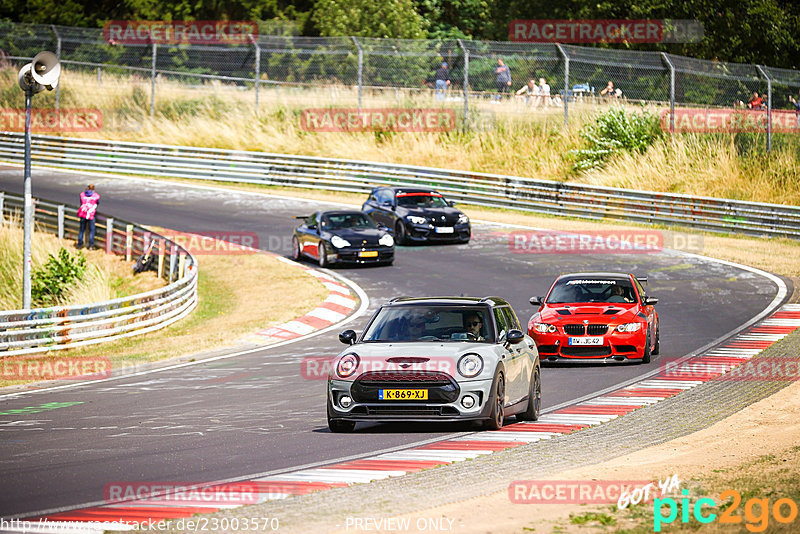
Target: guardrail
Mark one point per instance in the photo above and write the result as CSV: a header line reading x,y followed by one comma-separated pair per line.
x,y
61,327
482,189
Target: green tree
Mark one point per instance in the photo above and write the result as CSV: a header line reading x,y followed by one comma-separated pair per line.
x,y
368,18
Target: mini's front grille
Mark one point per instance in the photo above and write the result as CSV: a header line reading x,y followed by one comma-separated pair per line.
x,y
379,377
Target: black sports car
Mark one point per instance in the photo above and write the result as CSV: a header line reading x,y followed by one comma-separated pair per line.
x,y
417,215
342,237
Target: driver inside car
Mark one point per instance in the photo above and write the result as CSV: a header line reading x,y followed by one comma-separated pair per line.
x,y
618,294
416,328
473,324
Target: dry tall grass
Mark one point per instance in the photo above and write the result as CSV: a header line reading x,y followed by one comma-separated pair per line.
x,y
510,139
106,277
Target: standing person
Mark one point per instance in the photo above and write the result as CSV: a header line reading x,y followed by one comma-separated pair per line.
x,y
503,77
755,101
89,202
442,80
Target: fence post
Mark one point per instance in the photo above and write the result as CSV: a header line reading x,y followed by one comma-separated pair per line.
x,y
181,266
58,55
173,250
2,202
109,235
61,221
360,69
128,242
161,249
99,77
666,59
466,84
769,107
257,69
566,82
153,81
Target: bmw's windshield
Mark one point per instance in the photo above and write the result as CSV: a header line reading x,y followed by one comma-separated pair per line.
x,y
340,221
421,200
430,323
592,290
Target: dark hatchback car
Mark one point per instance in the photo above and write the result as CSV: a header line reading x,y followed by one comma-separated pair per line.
x,y
418,215
343,236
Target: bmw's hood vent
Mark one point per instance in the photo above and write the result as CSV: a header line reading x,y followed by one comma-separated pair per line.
x,y
564,311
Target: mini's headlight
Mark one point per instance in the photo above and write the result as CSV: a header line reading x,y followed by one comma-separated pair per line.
x,y
470,365
386,241
338,242
417,220
463,219
629,327
347,365
544,328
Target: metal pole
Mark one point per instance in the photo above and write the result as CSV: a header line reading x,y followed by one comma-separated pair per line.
x,y
2,199
466,84
360,70
769,107
58,54
153,82
109,235
566,82
258,66
28,209
666,59
61,221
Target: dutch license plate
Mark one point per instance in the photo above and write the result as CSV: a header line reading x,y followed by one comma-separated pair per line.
x,y
444,230
586,341
368,254
402,394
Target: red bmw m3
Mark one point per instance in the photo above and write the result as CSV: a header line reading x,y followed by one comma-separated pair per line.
x,y
596,317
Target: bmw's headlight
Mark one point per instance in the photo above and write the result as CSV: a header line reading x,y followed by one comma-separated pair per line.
x,y
470,365
338,242
544,328
629,327
386,241
347,365
417,220
462,219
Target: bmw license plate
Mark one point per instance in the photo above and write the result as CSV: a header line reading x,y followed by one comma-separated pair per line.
x,y
402,394
368,254
586,341
444,230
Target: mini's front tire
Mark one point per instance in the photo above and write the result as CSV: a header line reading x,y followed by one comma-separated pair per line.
x,y
497,415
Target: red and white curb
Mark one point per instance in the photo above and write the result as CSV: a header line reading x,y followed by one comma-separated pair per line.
x,y
340,303
596,411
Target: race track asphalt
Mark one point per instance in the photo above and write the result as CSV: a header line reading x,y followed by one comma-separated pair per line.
x,y
255,413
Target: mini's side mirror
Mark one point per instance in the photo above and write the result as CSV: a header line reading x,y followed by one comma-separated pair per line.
x,y
515,336
348,337
537,301
650,301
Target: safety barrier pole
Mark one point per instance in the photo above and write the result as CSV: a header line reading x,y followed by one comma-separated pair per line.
x,y
109,235
61,221
128,242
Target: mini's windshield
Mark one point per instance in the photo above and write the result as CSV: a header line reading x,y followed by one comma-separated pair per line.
x,y
592,290
421,200
430,323
339,221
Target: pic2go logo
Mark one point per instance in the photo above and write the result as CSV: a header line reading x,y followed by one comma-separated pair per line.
x,y
756,511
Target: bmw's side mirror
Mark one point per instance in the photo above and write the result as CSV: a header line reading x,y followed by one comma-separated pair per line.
x,y
650,301
348,337
537,301
515,336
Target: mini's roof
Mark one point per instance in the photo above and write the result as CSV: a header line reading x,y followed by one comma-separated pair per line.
x,y
454,301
